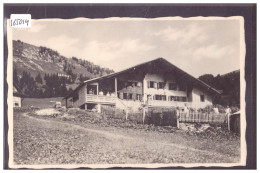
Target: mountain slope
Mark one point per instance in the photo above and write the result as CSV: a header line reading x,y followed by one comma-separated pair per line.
x,y
33,59
43,72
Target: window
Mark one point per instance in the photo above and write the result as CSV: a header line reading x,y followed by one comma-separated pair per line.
x,y
138,97
161,85
125,96
152,84
172,98
16,104
202,98
130,96
184,99
172,86
177,98
130,84
160,97
163,97
157,97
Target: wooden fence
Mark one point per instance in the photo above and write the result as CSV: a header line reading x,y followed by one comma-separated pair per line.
x,y
136,116
112,112
108,111
200,117
163,117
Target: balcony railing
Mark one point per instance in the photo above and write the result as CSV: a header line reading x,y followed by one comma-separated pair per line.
x,y
100,99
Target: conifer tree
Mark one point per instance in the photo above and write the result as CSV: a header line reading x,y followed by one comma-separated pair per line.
x,y
15,77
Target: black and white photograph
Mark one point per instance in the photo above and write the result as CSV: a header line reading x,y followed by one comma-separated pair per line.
x,y
127,92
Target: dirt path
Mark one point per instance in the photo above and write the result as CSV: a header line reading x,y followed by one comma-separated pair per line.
x,y
135,148
73,126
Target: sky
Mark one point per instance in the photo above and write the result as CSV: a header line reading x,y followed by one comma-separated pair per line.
x,y
196,46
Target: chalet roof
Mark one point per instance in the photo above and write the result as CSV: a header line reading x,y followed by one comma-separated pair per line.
x,y
140,66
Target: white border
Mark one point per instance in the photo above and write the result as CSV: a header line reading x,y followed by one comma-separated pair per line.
x,y
187,165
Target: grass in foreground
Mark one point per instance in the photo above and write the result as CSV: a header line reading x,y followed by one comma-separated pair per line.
x,y
84,138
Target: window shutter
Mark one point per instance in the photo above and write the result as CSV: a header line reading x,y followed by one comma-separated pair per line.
x,y
148,84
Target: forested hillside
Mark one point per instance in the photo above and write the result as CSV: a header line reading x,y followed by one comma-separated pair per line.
x,y
43,72
229,84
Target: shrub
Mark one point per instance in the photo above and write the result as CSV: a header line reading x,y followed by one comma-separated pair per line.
x,y
234,109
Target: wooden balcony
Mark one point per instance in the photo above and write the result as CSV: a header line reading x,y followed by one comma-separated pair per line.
x,y
100,99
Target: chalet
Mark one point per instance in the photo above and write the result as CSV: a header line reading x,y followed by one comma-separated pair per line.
x,y
156,83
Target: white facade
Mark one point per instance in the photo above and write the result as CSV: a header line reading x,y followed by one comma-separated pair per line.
x,y
193,98
196,98
165,91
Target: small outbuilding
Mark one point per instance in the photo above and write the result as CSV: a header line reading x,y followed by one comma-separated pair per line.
x,y
235,122
17,96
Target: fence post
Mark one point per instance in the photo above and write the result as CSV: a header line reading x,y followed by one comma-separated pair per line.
x,y
178,119
126,113
143,115
228,121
